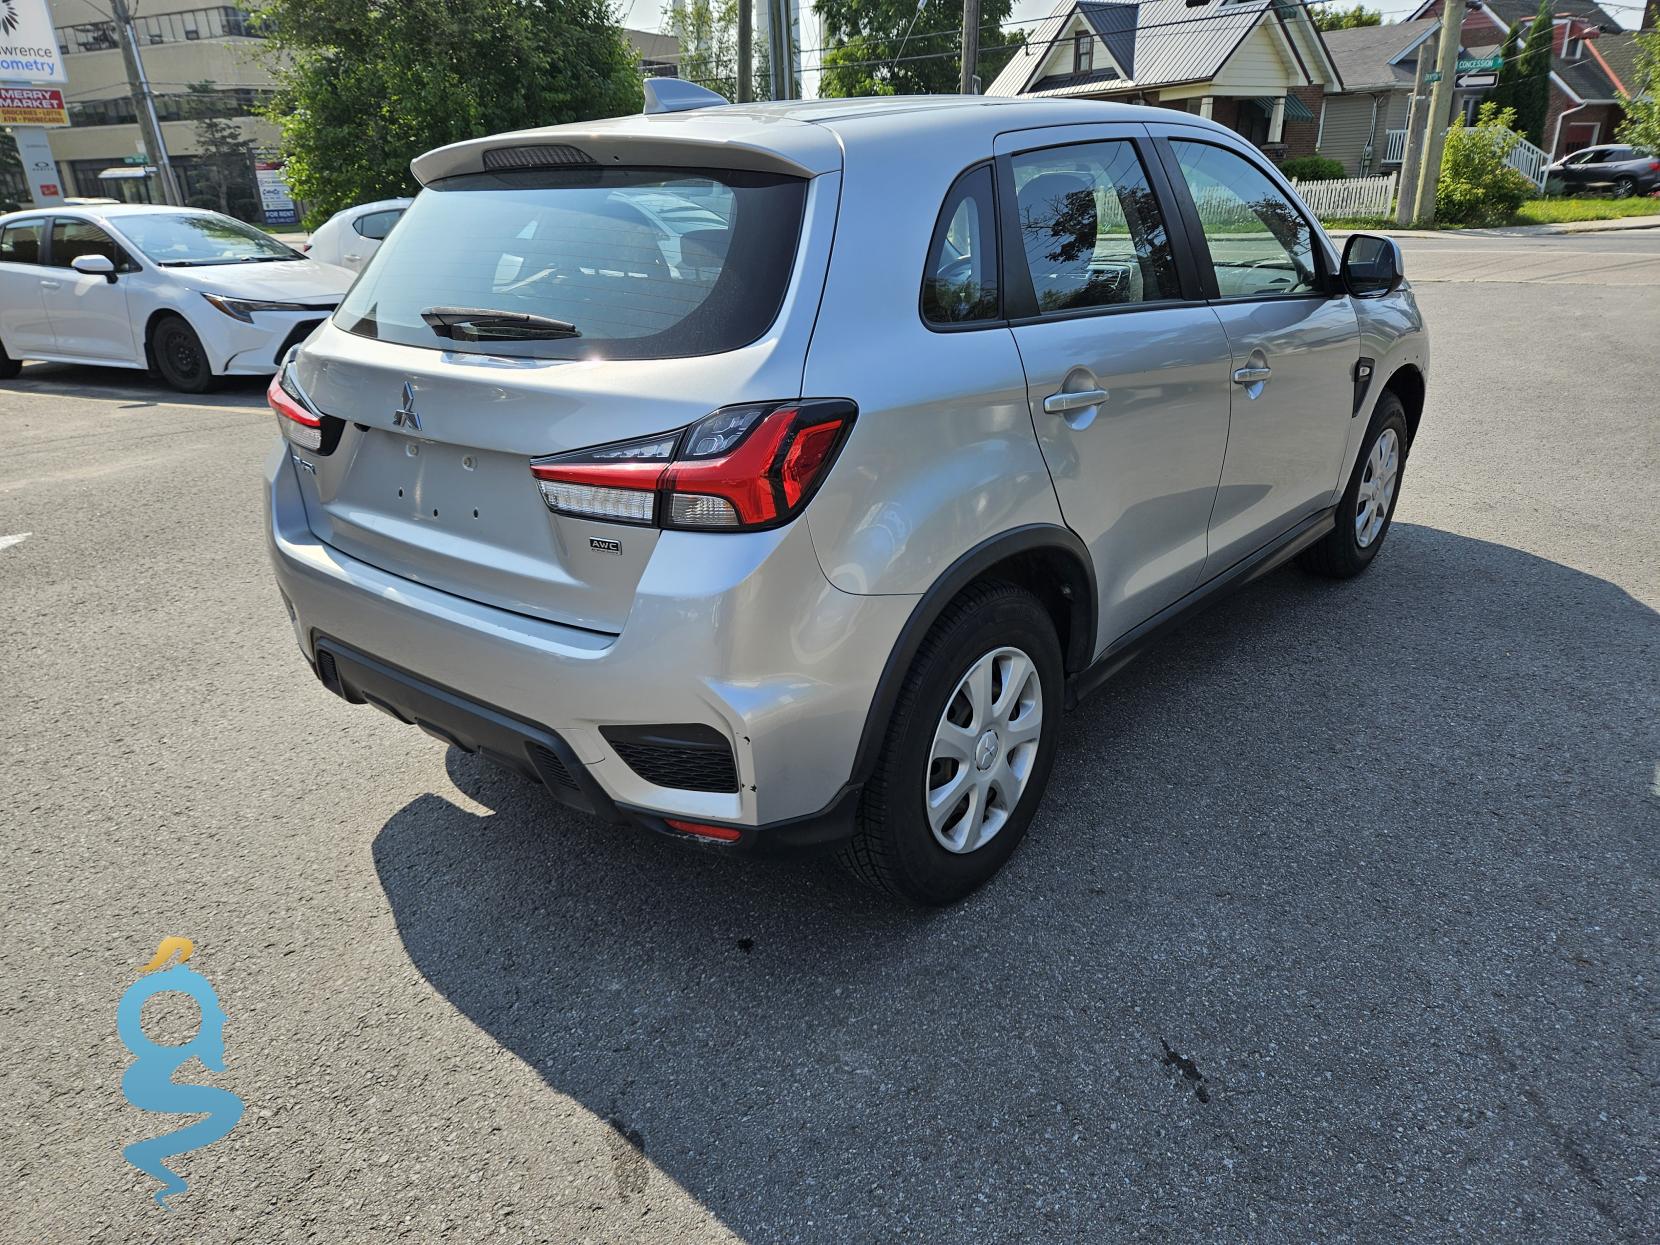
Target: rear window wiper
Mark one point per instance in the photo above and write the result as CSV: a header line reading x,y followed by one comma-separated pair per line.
x,y
483,324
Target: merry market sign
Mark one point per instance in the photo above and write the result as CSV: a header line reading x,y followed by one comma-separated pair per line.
x,y
32,105
28,48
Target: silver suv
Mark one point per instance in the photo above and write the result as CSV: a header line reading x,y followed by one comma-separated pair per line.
x,y
773,476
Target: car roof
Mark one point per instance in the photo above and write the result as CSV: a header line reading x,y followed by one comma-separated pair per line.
x,y
802,137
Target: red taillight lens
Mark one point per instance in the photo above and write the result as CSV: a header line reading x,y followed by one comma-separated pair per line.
x,y
741,468
296,422
721,834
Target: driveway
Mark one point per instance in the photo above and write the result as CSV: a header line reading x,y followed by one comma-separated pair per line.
x,y
1340,923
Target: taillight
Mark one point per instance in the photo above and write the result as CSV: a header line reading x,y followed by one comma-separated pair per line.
x,y
297,419
739,469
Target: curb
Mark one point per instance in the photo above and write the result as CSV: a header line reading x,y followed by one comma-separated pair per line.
x,y
1524,231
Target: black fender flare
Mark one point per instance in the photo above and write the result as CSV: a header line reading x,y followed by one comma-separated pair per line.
x,y
1027,539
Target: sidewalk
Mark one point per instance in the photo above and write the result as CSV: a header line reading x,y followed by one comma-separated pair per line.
x,y
1521,231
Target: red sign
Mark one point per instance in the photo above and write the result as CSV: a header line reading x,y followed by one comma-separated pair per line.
x,y
32,105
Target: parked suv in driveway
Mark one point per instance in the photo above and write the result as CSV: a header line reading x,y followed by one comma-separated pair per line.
x,y
798,523
1621,170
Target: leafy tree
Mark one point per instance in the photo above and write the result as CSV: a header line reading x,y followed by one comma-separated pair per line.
x,y
14,182
367,85
1532,101
1641,127
708,35
870,54
1331,17
1504,92
1477,187
226,159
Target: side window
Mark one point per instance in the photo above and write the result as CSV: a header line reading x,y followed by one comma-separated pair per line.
x,y
959,283
78,237
1092,229
20,242
376,225
1260,245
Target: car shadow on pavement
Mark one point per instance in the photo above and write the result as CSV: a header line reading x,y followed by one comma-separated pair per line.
x,y
134,388
1339,918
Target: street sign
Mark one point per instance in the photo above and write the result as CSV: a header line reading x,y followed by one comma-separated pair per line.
x,y
1473,64
1475,81
32,105
1433,75
28,47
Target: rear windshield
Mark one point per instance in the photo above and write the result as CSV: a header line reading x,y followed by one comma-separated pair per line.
x,y
635,263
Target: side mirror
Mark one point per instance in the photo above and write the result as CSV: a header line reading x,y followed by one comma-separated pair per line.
x,y
1372,266
94,266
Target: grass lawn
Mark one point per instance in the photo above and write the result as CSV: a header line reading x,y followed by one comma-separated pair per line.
x,y
1552,211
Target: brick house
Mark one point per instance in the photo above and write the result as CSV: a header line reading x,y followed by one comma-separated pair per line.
x,y
1258,67
1584,91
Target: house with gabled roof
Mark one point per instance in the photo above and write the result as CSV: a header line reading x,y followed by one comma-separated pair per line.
x,y
1258,67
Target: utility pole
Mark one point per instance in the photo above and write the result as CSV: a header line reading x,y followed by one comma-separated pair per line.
x,y
778,50
148,123
971,47
746,51
1406,206
1440,110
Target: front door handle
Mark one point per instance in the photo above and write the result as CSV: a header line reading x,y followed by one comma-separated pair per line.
x,y
1076,400
1251,375
51,285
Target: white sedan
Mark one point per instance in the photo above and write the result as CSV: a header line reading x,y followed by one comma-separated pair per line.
x,y
351,237
193,294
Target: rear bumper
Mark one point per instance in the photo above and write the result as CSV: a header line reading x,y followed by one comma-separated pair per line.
x,y
741,634
541,755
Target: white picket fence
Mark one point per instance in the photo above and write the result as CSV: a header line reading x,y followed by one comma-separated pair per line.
x,y
1349,197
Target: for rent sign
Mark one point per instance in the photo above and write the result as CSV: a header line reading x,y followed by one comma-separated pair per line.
x,y
32,105
28,48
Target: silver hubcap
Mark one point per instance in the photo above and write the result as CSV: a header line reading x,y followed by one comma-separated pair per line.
x,y
984,748
1377,488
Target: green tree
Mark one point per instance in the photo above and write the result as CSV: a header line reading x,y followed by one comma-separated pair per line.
x,y
14,182
708,35
225,160
364,86
1641,127
1503,93
871,55
1331,17
1476,186
1532,100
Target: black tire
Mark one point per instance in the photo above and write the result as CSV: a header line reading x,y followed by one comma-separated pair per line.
x,y
1340,555
1625,187
9,367
895,849
179,356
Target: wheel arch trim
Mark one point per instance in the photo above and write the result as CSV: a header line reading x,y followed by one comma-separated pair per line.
x,y
1042,540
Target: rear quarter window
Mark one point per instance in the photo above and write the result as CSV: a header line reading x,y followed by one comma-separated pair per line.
x,y
644,263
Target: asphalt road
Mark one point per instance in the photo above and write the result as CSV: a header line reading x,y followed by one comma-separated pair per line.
x,y
1340,922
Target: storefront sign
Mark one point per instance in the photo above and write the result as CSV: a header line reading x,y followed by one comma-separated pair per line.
x,y
35,151
32,105
28,48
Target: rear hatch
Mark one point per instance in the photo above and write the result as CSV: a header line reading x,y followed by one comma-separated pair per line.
x,y
634,301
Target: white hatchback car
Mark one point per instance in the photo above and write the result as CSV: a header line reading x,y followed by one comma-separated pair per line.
x,y
351,237
193,294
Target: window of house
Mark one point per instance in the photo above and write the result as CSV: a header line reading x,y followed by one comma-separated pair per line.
x,y
1259,244
1091,227
1083,53
959,282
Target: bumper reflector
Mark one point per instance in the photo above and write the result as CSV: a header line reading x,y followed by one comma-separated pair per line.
x,y
721,834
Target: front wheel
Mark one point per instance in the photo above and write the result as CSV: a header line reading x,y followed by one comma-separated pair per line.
x,y
179,356
967,752
1368,504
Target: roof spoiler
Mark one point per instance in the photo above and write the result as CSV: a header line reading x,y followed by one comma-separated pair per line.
x,y
677,95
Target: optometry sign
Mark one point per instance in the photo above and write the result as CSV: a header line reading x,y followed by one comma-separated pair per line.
x,y
28,48
32,105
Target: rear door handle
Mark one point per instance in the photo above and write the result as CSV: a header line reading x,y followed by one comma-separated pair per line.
x,y
1076,400
1251,375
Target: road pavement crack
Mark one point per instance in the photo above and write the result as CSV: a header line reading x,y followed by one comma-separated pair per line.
x,y
1189,1070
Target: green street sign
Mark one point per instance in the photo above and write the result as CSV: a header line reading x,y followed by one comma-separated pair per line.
x,y
1433,75
1476,64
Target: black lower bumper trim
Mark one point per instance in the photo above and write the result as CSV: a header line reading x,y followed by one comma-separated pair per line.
x,y
542,756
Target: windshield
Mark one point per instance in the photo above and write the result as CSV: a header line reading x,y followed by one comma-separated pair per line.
x,y
629,263
176,241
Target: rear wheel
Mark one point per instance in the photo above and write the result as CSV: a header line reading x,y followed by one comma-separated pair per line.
x,y
9,367
179,356
967,753
1368,504
1625,187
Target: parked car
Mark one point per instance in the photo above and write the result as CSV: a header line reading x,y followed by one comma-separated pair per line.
x,y
193,294
350,237
1615,167
805,542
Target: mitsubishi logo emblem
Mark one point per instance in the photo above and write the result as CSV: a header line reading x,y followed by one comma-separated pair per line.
x,y
405,416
